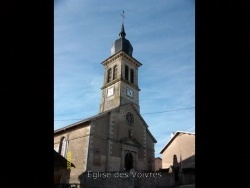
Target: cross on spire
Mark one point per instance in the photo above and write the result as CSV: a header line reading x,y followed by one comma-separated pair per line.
x,y
123,17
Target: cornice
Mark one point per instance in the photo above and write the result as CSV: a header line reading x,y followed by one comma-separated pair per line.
x,y
123,80
111,83
121,54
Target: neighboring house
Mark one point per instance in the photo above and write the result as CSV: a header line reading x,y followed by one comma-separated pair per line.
x,y
179,151
178,157
158,163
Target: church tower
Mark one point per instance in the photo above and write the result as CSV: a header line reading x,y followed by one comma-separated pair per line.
x,y
117,139
120,85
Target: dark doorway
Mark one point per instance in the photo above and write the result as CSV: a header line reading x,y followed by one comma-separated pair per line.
x,y
128,161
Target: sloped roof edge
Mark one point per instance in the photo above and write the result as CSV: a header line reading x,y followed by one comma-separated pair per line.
x,y
103,114
82,121
85,120
146,125
125,54
171,139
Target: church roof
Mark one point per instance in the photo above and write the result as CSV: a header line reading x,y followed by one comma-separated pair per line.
x,y
84,121
122,44
87,121
125,55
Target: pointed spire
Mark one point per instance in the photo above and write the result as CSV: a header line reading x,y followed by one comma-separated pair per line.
x,y
122,43
122,33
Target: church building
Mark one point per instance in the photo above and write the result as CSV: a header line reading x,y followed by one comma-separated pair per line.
x,y
117,139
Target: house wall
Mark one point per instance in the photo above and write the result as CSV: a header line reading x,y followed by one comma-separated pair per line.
x,y
78,142
183,145
150,154
98,142
158,164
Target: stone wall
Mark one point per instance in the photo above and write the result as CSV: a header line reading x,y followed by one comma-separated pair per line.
x,y
78,143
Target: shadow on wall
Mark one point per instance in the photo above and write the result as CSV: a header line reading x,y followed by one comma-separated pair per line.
x,y
183,170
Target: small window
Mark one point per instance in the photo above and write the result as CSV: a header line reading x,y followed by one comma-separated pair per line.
x,y
115,72
132,76
109,75
62,147
126,72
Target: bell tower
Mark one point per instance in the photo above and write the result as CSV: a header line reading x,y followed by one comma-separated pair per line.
x,y
120,84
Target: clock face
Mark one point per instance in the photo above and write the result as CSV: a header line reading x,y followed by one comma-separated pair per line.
x,y
130,92
110,91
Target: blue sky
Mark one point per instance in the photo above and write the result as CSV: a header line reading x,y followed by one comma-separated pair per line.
x,y
162,33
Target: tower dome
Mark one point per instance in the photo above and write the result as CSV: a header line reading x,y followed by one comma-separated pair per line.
x,y
122,44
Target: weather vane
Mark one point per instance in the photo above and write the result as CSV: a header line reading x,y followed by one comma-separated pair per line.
x,y
123,17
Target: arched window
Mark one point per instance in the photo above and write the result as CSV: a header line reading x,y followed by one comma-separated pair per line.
x,y
109,75
132,76
126,72
97,158
115,72
62,147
